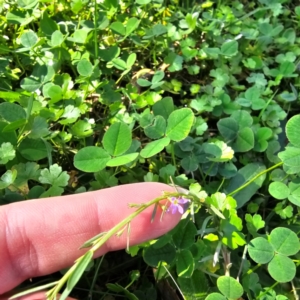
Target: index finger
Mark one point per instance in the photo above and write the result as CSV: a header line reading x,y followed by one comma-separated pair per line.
x,y
39,237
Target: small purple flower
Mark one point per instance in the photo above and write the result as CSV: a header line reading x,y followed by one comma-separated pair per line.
x,y
176,204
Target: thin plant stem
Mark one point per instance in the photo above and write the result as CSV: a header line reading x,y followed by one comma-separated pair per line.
x,y
95,276
51,295
174,281
173,157
95,28
211,274
252,270
123,223
201,174
254,178
242,262
34,290
267,290
54,291
267,104
210,168
221,184
156,274
294,291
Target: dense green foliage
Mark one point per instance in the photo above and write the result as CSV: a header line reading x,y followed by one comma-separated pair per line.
x,y
95,94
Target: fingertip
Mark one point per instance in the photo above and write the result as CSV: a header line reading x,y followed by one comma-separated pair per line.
x,y
146,225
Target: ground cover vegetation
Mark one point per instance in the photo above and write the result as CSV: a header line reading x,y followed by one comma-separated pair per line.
x,y
95,94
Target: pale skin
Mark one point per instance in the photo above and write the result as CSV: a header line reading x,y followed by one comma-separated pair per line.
x,y
39,237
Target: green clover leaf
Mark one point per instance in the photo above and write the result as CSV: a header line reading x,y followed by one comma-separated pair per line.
x,y
7,153
54,176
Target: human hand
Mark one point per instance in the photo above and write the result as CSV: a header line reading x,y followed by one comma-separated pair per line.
x,y
39,237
